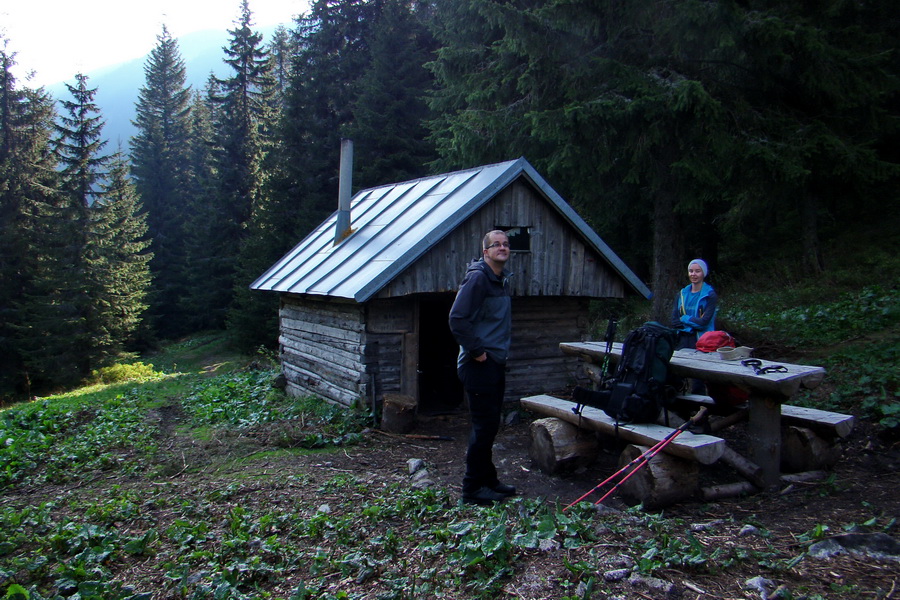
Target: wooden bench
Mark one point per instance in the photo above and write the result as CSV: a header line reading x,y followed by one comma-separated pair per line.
x,y
666,478
823,421
704,449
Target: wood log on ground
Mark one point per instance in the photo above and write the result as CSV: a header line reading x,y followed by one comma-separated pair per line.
x,y
739,488
661,481
398,413
560,447
727,490
803,477
748,470
705,449
803,450
727,421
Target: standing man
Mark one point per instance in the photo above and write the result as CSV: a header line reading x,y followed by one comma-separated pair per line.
x,y
481,322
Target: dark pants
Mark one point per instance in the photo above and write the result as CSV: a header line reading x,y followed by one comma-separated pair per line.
x,y
485,384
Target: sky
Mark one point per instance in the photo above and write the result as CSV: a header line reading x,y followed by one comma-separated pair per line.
x,y
58,38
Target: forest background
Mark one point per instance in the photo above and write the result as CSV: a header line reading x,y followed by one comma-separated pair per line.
x,y
761,136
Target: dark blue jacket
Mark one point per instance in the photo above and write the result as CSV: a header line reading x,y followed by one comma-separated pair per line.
x,y
481,316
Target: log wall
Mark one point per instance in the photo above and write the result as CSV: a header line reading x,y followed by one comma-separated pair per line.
x,y
536,364
323,347
350,353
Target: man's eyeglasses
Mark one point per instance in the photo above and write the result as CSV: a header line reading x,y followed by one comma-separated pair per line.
x,y
498,245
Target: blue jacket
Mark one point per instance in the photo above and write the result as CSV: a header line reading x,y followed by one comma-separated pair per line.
x,y
702,318
481,316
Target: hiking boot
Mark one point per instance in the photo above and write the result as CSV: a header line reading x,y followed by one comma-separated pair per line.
x,y
505,489
483,495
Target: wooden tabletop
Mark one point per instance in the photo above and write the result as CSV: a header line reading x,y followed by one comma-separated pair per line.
x,y
710,367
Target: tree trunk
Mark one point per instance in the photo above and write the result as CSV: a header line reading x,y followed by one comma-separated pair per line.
x,y
668,249
809,227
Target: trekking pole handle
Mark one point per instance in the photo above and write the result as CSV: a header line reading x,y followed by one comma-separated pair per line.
x,y
697,417
610,330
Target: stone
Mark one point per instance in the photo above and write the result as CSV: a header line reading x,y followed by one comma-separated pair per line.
x,y
616,575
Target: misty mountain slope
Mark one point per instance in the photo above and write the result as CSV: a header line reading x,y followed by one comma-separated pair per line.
x,y
118,85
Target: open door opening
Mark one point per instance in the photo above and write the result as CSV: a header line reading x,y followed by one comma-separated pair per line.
x,y
440,390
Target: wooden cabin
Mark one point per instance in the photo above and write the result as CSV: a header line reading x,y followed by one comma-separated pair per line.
x,y
364,304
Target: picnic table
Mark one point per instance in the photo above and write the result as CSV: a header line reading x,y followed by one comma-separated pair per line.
x,y
768,394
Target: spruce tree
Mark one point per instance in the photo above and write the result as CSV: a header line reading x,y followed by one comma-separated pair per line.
x,y
27,180
331,58
676,118
159,158
597,97
201,222
390,112
242,137
62,339
281,51
120,262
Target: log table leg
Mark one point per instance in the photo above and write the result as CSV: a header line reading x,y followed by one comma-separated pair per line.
x,y
764,432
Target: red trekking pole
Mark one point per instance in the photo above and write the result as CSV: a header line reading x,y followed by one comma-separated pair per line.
x,y
640,461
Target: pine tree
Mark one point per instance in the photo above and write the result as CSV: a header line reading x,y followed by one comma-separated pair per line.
x,y
120,262
242,129
281,52
27,179
671,117
597,97
201,224
70,338
159,157
332,56
390,111
814,114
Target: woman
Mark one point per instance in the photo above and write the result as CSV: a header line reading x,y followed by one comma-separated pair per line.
x,y
695,307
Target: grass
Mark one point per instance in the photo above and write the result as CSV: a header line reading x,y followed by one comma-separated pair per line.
x,y
101,498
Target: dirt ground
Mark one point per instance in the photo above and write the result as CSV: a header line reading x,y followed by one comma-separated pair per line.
x,y
867,471
864,489
864,486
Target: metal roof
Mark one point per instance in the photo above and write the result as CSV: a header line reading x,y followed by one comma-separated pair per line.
x,y
390,223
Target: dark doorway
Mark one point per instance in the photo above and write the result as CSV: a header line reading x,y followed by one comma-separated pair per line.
x,y
440,390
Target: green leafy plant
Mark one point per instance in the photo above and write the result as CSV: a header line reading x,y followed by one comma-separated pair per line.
x,y
852,314
119,373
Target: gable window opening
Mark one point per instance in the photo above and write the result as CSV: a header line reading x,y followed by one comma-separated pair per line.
x,y
519,238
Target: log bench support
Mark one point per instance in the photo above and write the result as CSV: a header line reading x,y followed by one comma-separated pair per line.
x,y
764,433
559,447
663,481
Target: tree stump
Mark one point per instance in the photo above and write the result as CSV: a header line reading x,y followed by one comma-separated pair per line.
x,y
560,447
664,480
398,413
803,450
